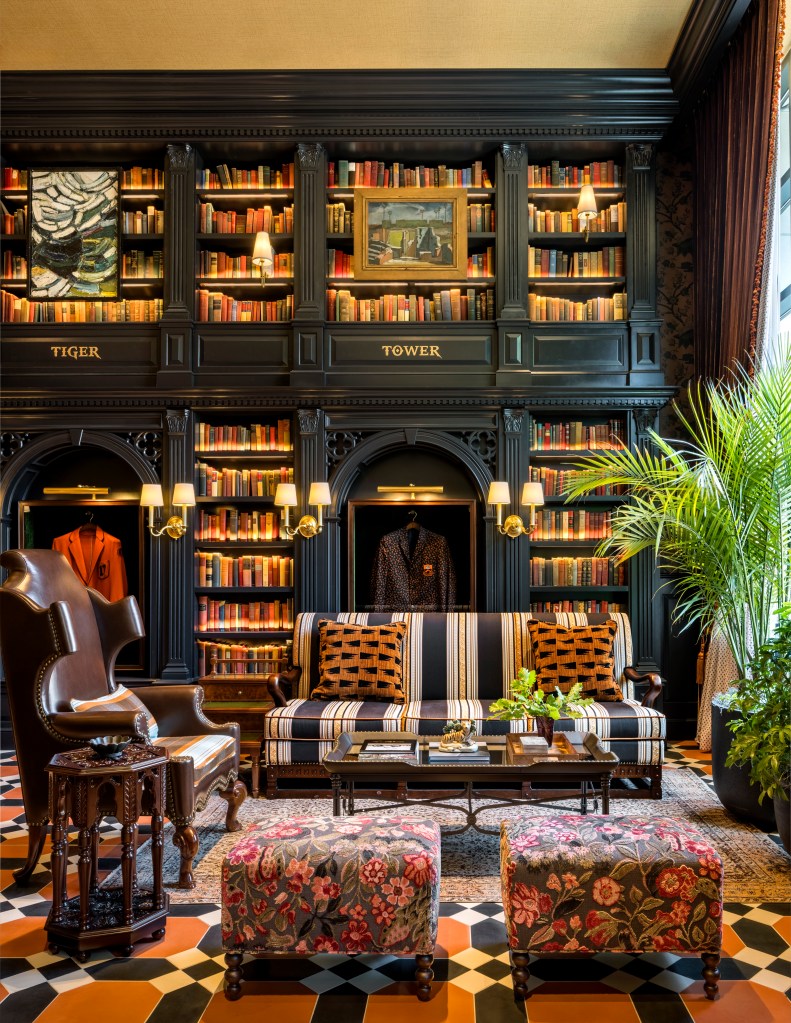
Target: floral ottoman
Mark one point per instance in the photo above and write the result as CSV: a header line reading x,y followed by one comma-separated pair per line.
x,y
333,884
575,884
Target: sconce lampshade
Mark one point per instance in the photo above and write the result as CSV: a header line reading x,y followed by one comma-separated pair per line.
x,y
532,494
263,256
586,205
151,496
499,493
319,494
184,495
286,495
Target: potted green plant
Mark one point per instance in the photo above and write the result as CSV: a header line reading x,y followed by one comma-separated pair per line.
x,y
715,509
529,700
762,726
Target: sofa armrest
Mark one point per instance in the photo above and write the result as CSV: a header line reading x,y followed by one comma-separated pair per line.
x,y
283,685
90,724
653,680
177,709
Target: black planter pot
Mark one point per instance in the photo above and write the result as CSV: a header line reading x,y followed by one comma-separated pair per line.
x,y
782,809
732,784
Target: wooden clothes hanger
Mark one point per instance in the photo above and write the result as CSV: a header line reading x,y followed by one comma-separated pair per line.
x,y
90,525
414,524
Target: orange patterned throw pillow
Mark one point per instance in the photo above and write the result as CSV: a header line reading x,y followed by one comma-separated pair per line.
x,y
360,662
582,653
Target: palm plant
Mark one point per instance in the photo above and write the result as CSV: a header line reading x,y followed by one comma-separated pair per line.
x,y
715,508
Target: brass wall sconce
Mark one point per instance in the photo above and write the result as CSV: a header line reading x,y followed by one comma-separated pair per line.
x,y
263,256
308,525
183,498
500,495
587,210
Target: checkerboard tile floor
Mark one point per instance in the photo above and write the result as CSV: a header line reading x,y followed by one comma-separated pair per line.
x,y
179,978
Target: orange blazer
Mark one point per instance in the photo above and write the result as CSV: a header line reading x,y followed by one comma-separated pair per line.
x,y
96,558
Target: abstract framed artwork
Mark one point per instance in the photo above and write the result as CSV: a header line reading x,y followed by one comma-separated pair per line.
x,y
74,234
410,234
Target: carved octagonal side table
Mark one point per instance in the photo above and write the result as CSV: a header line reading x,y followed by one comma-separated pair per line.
x,y
86,788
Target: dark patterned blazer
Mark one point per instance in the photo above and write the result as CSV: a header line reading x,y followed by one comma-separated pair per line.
x,y
413,575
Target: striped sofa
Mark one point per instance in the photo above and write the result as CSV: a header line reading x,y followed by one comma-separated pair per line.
x,y
454,666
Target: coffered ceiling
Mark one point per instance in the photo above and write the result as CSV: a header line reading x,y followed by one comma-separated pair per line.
x,y
182,35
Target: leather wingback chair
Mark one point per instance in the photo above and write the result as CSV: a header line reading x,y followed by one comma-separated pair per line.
x,y
59,641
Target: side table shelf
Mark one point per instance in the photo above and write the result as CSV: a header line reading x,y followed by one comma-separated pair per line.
x,y
85,788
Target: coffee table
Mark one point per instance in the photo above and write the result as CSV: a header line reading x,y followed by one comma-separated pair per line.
x,y
571,765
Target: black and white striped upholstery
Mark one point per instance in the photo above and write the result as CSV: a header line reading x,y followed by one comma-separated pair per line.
x,y
454,666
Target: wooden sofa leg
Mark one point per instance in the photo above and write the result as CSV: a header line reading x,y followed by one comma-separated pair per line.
x,y
234,795
424,976
233,975
186,840
36,836
711,974
520,974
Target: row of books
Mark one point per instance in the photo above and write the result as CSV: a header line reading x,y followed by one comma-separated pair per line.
x,y
261,176
480,217
571,524
14,222
340,219
14,177
14,266
606,262
253,570
241,658
215,307
377,174
339,263
138,263
599,309
540,221
231,524
577,606
255,616
481,264
554,482
142,177
576,572
148,221
223,264
449,304
22,310
228,482
606,173
256,437
263,218
575,435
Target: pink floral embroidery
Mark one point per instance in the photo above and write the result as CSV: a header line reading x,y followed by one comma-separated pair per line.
x,y
524,904
399,891
553,882
324,888
357,938
383,912
300,873
606,891
325,944
419,868
373,872
677,881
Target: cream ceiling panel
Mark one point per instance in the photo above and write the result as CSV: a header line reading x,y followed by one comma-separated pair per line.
x,y
295,34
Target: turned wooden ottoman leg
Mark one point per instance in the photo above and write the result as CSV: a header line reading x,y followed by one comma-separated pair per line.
x,y
233,975
424,976
711,974
520,974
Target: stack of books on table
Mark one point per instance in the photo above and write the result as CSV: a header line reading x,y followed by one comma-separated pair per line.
x,y
404,750
440,756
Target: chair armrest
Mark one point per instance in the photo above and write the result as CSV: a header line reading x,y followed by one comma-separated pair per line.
x,y
653,680
90,724
177,709
276,683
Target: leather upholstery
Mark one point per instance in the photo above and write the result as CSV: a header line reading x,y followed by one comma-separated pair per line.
x,y
60,641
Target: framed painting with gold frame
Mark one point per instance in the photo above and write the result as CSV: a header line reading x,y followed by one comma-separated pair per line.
x,y
410,234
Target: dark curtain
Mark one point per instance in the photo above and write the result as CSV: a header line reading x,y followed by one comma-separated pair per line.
x,y
734,128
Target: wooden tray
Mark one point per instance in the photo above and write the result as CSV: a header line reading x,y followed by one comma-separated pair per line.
x,y
562,749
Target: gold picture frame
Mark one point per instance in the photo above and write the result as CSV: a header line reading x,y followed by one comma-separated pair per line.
x,y
410,234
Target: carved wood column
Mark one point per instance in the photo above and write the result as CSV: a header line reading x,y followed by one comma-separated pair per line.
x,y
644,322
645,612
311,565
511,222
310,247
515,552
176,555
175,360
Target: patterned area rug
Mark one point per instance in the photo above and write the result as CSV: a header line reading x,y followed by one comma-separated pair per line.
x,y
756,868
